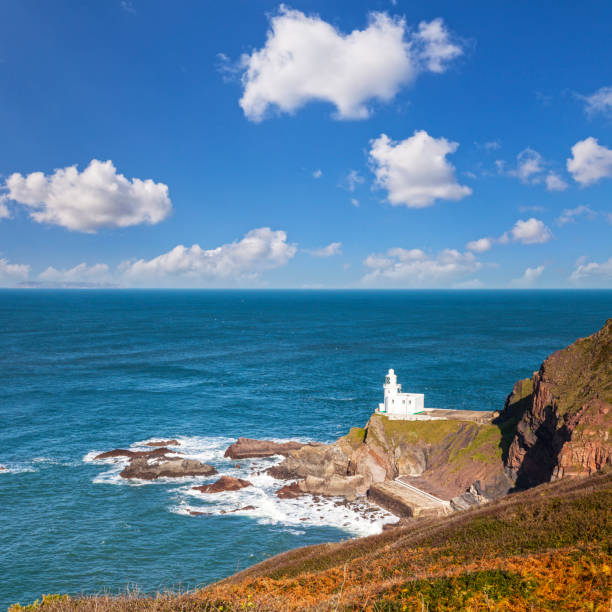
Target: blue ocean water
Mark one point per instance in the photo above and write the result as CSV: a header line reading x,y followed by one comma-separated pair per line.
x,y
88,371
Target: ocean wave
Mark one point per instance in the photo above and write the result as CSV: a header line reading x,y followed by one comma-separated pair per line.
x,y
258,501
357,518
16,468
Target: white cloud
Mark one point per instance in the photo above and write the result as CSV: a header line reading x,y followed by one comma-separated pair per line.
x,y
435,47
599,102
355,202
529,278
13,272
415,268
334,248
317,173
260,249
492,145
586,271
305,59
531,231
529,164
87,201
531,169
481,245
569,214
415,171
79,274
352,180
5,213
590,161
554,182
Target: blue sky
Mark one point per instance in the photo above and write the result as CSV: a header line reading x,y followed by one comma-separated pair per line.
x,y
312,144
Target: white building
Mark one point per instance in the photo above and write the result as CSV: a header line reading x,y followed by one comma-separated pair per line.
x,y
399,405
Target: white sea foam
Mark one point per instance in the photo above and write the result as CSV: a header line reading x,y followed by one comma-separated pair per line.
x,y
16,468
358,518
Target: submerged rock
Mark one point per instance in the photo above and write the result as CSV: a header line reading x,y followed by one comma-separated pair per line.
x,y
164,467
248,448
225,483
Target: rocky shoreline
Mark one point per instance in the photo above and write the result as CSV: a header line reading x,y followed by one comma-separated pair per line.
x,y
553,425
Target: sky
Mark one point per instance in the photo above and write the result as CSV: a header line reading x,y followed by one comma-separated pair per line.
x,y
361,144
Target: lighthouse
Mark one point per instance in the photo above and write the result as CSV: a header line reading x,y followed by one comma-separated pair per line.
x,y
398,405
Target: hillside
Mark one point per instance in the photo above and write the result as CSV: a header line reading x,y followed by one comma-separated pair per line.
x,y
548,548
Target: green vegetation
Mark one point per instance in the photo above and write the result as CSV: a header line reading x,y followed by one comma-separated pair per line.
x,y
427,432
454,593
484,448
582,371
356,436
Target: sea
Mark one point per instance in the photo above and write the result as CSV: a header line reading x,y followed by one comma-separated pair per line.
x,y
87,371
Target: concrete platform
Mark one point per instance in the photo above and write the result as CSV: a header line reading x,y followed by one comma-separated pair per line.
x,y
404,500
434,414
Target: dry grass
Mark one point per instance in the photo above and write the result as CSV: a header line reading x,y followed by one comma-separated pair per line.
x,y
548,548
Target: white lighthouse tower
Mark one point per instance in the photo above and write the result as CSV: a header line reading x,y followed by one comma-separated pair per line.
x,y
398,405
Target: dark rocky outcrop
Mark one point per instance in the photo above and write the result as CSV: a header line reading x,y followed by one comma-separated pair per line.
x,y
290,491
130,454
225,483
559,422
172,442
164,467
248,448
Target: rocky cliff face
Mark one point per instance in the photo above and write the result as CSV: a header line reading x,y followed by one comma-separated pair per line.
x,y
559,422
447,456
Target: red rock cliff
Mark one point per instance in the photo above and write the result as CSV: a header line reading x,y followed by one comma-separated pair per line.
x,y
559,422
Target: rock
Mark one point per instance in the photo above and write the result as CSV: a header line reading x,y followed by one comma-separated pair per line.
x,y
280,472
164,443
403,522
472,497
248,448
559,420
174,467
225,483
290,491
3,469
321,460
237,466
122,452
243,509
197,513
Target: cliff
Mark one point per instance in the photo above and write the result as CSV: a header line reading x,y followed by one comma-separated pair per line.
x,y
444,457
559,422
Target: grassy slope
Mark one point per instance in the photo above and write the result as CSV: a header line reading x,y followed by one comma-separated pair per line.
x,y
582,371
548,548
